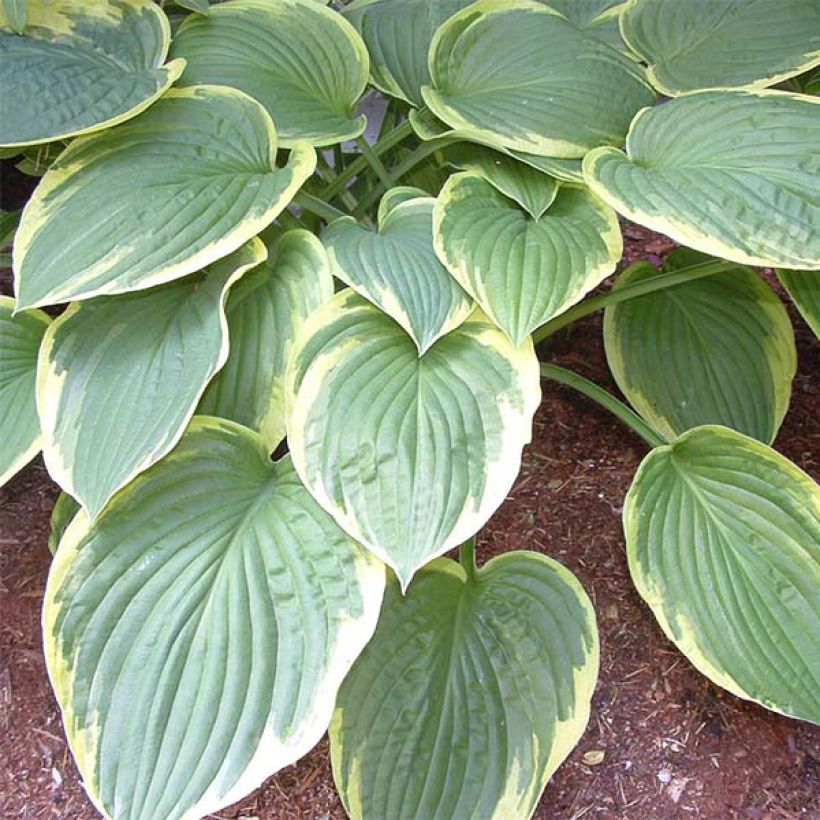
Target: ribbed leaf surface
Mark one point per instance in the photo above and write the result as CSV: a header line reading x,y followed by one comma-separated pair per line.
x,y
184,184
80,67
739,44
717,350
804,288
396,268
265,312
470,695
523,271
20,338
527,78
119,377
410,455
723,541
398,35
600,18
305,63
730,173
196,634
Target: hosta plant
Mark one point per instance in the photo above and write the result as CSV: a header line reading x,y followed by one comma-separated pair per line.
x,y
336,234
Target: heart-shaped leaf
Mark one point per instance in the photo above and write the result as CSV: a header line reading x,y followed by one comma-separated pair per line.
x,y
702,44
411,455
396,268
730,173
397,34
527,78
717,350
723,542
305,63
804,288
119,377
265,312
20,338
80,67
197,632
523,271
182,185
471,693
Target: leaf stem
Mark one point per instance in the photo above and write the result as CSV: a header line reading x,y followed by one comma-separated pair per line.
x,y
663,280
600,396
375,163
466,557
317,206
358,165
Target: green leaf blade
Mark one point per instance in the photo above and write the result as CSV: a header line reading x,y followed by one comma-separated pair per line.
x,y
744,44
303,62
492,74
718,350
215,648
470,695
380,435
265,312
804,288
20,337
723,542
729,173
78,68
120,376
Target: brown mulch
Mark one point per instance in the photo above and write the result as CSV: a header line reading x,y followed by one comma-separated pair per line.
x,y
669,744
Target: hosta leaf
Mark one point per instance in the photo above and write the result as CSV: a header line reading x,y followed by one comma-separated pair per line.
x,y
739,44
80,67
398,35
600,18
534,191
305,63
410,455
804,288
62,515
523,271
723,541
396,267
471,693
428,127
197,632
20,338
730,173
200,6
119,377
527,78
265,311
15,13
187,182
717,350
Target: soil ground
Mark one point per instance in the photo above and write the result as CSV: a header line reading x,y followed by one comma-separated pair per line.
x,y
662,741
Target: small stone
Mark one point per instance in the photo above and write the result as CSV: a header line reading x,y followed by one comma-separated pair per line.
x,y
664,775
554,483
56,777
594,757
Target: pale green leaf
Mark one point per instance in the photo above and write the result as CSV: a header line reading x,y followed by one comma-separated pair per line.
x,y
701,44
20,338
120,376
527,78
184,184
9,220
396,267
265,311
723,542
80,67
397,34
199,6
716,350
471,693
730,173
523,271
411,455
14,14
804,288
197,632
305,63
65,509
600,18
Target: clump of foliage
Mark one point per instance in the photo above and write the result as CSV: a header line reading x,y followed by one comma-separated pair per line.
x,y
243,268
